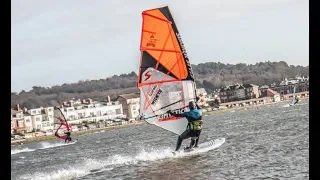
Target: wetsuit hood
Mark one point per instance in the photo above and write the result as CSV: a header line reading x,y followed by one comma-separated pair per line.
x,y
191,105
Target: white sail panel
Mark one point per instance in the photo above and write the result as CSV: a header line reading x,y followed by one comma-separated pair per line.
x,y
156,99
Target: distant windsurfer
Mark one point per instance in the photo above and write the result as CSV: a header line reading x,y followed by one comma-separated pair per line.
x,y
296,101
68,138
194,128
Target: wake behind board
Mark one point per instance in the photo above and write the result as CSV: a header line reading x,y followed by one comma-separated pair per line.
x,y
72,142
203,147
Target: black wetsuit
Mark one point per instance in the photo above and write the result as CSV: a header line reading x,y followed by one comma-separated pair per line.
x,y
194,127
297,100
68,137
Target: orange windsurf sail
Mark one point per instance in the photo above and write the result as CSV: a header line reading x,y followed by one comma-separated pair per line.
x,y
165,77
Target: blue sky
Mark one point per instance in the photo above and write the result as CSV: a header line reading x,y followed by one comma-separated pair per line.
x,y
56,42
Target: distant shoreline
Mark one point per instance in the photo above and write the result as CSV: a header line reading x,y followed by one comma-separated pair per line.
x,y
248,107
52,137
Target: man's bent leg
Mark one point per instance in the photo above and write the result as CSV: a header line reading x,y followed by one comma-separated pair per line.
x,y
192,143
193,134
183,136
197,140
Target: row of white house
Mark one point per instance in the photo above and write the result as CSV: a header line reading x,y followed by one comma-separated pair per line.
x,y
23,120
93,112
77,111
29,120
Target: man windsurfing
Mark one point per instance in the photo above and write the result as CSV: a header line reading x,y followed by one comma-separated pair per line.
x,y
296,101
68,138
194,128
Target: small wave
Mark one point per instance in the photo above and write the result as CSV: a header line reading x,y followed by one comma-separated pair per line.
x,y
143,155
286,105
46,145
43,145
289,110
157,154
16,151
91,166
71,172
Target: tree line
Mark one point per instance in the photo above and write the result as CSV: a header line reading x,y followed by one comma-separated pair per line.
x,y
209,75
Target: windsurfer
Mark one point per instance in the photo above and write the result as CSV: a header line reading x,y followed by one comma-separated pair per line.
x,y
68,138
297,100
194,117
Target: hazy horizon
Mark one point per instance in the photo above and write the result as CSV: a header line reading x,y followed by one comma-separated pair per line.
x,y
56,42
137,73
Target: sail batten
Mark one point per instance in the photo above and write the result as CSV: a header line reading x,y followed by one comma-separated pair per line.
x,y
165,77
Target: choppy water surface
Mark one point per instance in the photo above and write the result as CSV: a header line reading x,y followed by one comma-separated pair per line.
x,y
271,142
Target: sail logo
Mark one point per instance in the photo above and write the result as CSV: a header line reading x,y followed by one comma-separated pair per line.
x,y
147,75
156,97
152,90
184,52
152,41
167,116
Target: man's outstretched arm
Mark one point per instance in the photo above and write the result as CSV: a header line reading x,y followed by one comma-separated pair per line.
x,y
197,104
198,107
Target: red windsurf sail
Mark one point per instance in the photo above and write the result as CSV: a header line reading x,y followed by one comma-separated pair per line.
x,y
61,124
